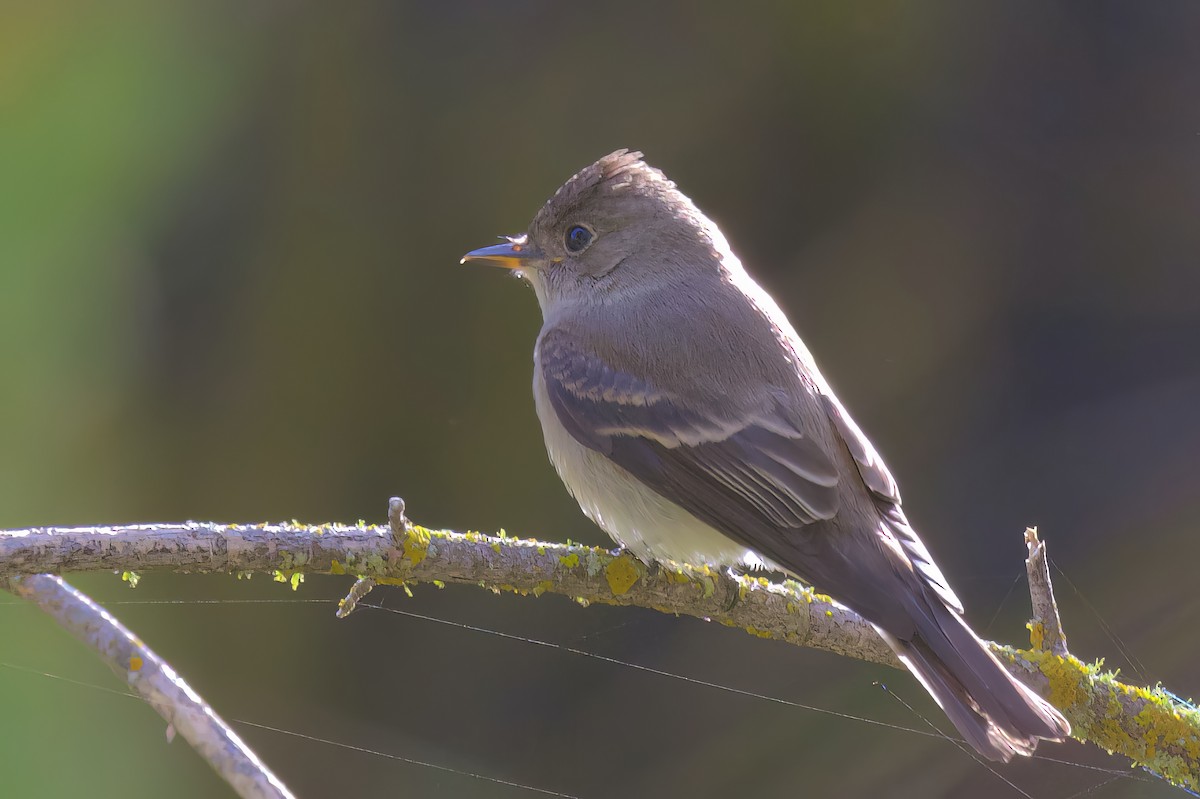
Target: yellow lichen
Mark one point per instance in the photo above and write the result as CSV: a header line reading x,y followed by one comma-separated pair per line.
x,y
416,544
570,561
1068,677
1163,727
1162,736
678,576
621,574
336,568
1037,634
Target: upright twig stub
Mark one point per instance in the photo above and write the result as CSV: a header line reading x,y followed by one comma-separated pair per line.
x,y
1045,628
396,519
400,526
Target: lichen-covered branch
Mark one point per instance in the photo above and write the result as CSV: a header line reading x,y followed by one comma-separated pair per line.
x,y
1150,726
145,672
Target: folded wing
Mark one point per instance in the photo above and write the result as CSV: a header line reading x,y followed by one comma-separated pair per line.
x,y
745,475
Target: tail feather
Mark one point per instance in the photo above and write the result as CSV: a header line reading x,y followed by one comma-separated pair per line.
x,y
996,714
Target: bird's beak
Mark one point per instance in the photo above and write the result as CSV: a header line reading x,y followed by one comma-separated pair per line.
x,y
512,254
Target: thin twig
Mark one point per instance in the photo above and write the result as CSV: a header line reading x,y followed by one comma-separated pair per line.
x,y
184,710
1045,628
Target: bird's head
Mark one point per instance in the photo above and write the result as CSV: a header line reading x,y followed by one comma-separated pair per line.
x,y
617,226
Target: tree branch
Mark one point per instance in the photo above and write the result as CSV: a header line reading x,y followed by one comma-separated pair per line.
x,y
1149,725
184,710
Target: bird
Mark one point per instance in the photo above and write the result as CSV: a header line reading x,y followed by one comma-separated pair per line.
x,y
688,419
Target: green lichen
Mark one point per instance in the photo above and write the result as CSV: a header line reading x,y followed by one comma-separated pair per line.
x,y
288,577
594,563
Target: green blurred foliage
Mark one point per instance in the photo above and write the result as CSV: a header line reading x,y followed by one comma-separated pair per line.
x,y
229,236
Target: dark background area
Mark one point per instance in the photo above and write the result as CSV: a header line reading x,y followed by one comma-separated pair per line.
x,y
229,290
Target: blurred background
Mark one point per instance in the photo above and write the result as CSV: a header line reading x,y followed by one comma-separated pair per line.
x,y
229,290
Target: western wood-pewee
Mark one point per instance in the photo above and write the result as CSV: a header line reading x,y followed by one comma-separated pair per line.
x,y
690,422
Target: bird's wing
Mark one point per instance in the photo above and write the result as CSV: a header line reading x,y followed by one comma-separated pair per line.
x,y
882,485
759,477
750,476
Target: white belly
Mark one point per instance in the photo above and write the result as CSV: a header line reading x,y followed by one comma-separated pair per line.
x,y
650,526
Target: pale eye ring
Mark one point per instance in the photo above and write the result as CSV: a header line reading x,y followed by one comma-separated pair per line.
x,y
578,238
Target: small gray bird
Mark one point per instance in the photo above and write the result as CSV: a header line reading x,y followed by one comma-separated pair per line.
x,y
688,419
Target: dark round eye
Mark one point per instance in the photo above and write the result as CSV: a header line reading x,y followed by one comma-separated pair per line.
x,y
578,237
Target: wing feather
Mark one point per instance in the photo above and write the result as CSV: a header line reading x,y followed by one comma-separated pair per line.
x,y
758,478
881,483
734,473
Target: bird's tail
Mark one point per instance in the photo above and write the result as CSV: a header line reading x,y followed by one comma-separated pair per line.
x,y
996,714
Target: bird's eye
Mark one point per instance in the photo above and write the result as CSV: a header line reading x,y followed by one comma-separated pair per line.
x,y
578,237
